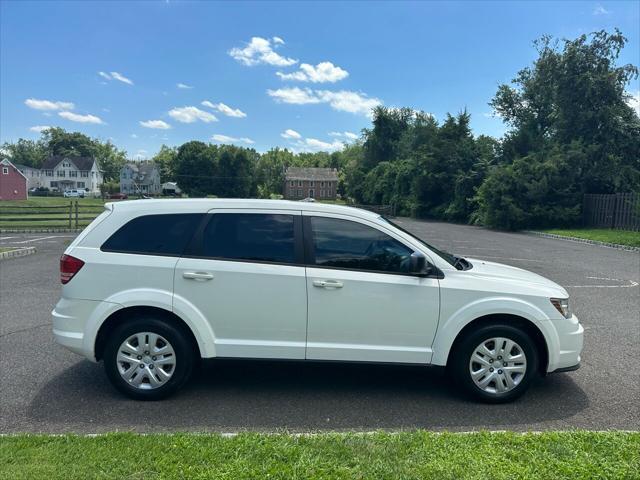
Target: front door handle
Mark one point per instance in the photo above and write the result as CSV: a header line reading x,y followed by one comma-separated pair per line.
x,y
327,284
197,276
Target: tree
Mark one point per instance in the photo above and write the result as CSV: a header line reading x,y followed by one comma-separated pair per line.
x,y
195,165
25,152
235,172
165,160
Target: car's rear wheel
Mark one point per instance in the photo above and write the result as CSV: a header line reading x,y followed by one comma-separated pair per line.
x,y
495,363
148,358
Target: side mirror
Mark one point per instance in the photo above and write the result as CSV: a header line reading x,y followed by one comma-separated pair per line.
x,y
417,263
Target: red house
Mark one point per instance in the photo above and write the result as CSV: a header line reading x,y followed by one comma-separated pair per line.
x,y
13,184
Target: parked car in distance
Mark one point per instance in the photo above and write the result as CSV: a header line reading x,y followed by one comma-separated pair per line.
x,y
151,286
74,193
118,196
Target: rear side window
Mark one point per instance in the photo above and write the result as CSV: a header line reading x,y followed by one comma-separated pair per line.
x,y
345,244
250,236
154,234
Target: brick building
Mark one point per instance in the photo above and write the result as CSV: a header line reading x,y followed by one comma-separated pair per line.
x,y
318,183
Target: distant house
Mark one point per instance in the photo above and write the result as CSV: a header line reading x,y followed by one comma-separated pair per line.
x,y
33,175
140,178
13,183
65,173
320,183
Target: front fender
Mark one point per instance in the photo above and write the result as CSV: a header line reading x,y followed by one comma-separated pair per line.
x,y
450,327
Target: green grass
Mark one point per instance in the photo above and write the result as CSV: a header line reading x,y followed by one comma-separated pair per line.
x,y
419,454
7,249
621,237
49,201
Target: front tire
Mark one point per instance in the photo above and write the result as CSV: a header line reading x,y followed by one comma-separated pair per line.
x,y
495,363
148,358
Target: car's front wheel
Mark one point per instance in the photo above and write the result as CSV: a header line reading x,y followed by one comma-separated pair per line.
x,y
495,363
148,358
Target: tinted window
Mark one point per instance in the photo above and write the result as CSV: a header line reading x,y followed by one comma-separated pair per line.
x,y
250,236
155,234
345,244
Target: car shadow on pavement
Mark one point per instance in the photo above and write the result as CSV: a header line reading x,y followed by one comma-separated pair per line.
x,y
230,395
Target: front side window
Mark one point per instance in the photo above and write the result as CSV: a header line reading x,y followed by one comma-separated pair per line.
x,y
5,170
166,235
250,236
345,244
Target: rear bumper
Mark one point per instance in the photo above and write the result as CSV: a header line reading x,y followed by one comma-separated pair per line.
x,y
70,319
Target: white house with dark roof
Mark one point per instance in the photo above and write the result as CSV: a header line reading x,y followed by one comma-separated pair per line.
x,y
65,173
140,178
33,175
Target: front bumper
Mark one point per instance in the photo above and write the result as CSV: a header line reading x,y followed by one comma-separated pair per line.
x,y
565,347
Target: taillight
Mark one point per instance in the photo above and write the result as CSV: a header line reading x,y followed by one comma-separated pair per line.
x,y
69,266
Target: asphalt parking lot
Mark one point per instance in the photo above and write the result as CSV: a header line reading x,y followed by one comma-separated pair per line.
x,y
44,388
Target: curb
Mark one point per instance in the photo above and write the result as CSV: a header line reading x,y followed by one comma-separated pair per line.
x,y
20,252
584,240
41,230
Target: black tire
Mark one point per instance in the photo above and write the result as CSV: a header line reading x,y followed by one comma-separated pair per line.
x,y
460,358
185,356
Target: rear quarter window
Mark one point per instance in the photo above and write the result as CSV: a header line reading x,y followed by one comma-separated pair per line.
x,y
166,235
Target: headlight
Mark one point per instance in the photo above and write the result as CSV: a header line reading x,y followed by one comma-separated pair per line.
x,y
562,305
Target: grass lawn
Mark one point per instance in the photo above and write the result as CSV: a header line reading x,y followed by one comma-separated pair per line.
x,y
620,237
417,454
7,249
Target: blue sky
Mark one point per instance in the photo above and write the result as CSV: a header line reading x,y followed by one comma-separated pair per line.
x,y
297,75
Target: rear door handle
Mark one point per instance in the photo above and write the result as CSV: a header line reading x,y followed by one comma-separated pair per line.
x,y
197,275
327,284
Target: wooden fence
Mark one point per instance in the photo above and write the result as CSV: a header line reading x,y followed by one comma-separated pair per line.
x,y
73,215
618,210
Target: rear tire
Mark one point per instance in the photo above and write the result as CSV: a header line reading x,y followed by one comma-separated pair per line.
x,y
495,363
148,359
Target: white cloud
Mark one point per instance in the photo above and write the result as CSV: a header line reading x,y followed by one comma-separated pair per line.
x,y
227,139
277,41
290,134
157,124
191,115
294,95
343,100
115,76
321,73
315,145
39,128
634,101
259,51
347,135
600,10
348,101
224,109
121,78
76,117
48,104
133,135
184,86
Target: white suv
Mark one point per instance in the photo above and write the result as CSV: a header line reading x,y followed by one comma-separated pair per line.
x,y
152,286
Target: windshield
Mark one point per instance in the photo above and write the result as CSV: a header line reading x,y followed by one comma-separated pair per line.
x,y
450,259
